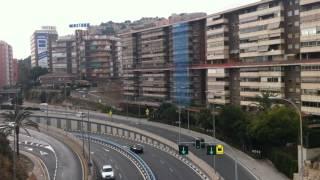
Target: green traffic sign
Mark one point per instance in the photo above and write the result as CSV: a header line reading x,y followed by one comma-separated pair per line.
x,y
183,150
211,150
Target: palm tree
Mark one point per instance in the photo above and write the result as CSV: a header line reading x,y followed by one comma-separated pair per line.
x,y
263,101
19,119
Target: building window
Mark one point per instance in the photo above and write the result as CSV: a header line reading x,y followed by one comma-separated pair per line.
x,y
296,12
289,35
289,46
289,13
297,46
296,23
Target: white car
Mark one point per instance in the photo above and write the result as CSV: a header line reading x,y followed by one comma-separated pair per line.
x,y
107,172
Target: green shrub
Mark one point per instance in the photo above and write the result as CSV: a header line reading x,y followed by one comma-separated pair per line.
x,y
283,161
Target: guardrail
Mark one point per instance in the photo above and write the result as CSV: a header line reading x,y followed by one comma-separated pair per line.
x,y
138,162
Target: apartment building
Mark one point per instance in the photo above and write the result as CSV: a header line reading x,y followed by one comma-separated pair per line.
x,y
310,28
98,57
41,44
7,70
157,64
64,55
145,58
265,46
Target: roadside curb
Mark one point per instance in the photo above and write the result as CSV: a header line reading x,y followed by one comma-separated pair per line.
x,y
39,170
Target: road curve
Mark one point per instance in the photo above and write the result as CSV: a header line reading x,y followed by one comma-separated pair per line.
x,y
68,164
162,164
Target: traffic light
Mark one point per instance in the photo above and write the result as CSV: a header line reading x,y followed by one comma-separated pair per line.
x,y
219,149
183,150
202,143
211,150
198,143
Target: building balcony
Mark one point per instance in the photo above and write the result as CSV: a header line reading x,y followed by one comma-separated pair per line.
x,y
304,2
310,49
213,40
223,48
310,98
250,94
262,74
218,83
313,12
262,43
262,84
310,24
310,110
216,57
261,22
217,31
309,37
310,86
211,22
310,73
276,9
268,32
267,53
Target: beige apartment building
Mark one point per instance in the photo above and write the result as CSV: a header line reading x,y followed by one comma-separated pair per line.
x,y
265,46
64,55
157,64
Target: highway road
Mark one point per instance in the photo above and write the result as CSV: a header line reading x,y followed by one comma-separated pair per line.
x,y
163,165
68,164
123,168
224,164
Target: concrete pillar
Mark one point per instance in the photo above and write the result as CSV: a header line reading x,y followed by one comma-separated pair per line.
x,y
93,127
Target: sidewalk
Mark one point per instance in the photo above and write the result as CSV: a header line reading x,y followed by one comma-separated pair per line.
x,y
39,169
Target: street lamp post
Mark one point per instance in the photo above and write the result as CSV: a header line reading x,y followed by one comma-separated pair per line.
x,y
89,139
301,169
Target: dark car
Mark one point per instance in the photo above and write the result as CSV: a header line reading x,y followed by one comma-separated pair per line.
x,y
137,148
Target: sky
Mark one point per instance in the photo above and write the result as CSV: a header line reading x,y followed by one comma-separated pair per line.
x,y
20,18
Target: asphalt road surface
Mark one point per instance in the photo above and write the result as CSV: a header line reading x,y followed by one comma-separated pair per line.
x,y
163,165
68,164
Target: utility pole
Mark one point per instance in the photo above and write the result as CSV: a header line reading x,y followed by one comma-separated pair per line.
x,y
89,140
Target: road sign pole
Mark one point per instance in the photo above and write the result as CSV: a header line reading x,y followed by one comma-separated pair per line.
x,y
179,124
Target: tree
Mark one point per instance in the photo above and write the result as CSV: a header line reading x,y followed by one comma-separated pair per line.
x,y
276,126
233,122
17,99
204,118
264,101
18,119
166,113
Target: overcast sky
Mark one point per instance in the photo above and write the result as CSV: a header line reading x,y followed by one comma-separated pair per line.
x,y
19,18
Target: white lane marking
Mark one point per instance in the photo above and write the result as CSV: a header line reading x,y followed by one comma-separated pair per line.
x,y
171,170
43,153
120,176
31,143
116,167
92,152
106,150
